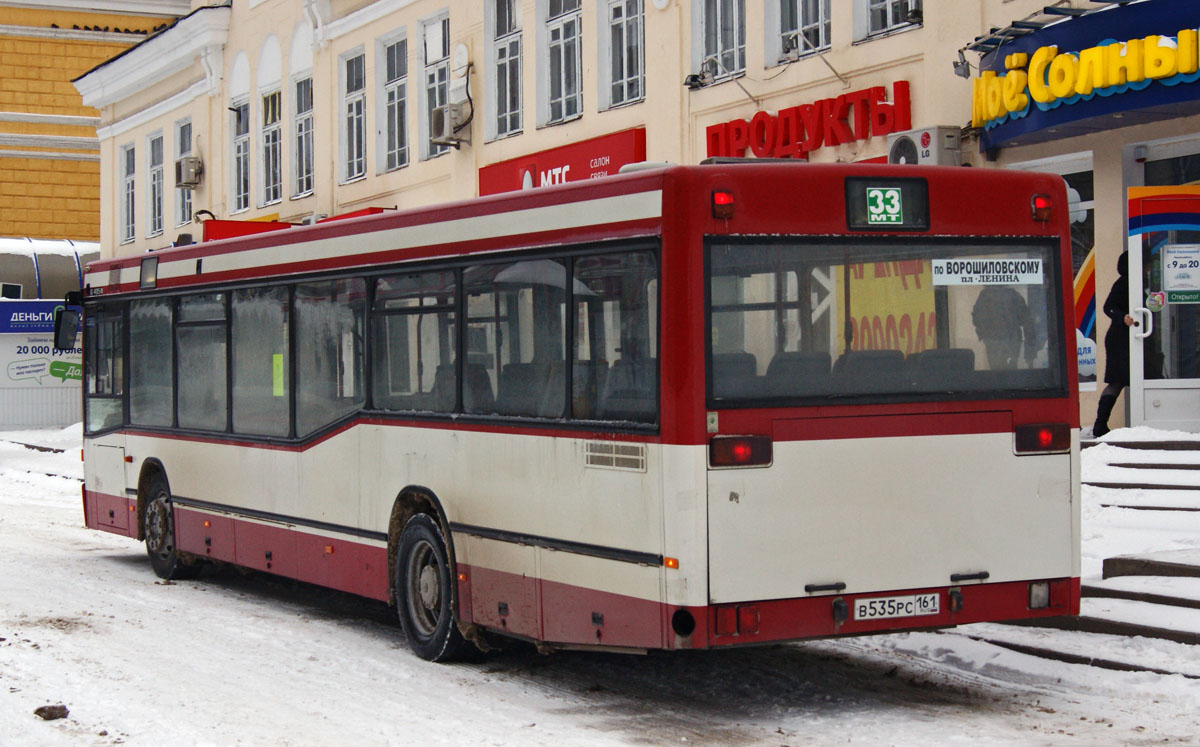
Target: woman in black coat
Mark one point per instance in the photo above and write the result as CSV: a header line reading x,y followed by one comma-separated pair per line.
x,y
1116,345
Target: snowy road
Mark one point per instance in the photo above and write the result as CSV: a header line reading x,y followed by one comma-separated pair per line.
x,y
255,660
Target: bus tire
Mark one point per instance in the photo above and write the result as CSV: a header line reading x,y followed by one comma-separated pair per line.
x,y
425,588
158,527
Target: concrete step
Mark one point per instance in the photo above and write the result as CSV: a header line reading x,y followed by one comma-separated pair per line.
x,y
1159,500
1177,591
1155,465
1128,618
1140,486
1169,563
1121,653
1146,445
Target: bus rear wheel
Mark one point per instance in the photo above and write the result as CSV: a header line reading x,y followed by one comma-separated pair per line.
x,y
425,589
158,527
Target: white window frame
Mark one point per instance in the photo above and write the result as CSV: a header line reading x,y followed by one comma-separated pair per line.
x,y
155,185
352,118
391,106
302,138
778,39
614,93
435,81
897,11
127,168
183,148
547,28
724,63
239,171
504,55
270,148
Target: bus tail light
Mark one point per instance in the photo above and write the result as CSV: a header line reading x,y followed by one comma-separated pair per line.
x,y
739,451
722,204
1053,438
1041,205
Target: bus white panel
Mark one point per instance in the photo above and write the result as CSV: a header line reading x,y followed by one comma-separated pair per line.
x,y
889,513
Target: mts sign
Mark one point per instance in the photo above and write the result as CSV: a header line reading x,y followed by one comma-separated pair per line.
x,y
796,132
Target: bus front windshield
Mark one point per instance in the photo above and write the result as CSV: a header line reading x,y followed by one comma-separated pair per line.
x,y
796,319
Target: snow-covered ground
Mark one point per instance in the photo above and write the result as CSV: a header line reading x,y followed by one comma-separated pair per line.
x,y
233,659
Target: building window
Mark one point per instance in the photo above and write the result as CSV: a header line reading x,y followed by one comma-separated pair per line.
x,y
304,137
154,174
888,15
272,148
507,42
128,186
563,33
395,98
241,156
354,126
437,77
626,51
804,26
724,24
183,197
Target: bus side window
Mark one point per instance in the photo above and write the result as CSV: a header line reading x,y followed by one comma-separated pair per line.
x,y
329,352
200,330
615,368
414,342
105,359
151,363
260,361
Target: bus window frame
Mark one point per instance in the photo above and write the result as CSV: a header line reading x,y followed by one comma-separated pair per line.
x,y
1049,244
567,254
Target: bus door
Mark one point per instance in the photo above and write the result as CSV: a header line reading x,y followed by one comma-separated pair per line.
x,y
1164,300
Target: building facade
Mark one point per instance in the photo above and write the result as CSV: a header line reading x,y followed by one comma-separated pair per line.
x,y
49,153
296,110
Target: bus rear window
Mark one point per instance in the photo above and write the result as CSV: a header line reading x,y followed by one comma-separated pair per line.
x,y
792,319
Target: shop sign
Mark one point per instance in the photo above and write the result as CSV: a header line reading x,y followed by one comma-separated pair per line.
x,y
24,317
588,159
797,131
1049,79
1083,74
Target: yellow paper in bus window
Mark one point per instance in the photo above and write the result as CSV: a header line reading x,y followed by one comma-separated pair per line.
x,y
277,374
892,306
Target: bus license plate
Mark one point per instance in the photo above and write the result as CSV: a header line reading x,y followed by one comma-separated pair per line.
x,y
880,608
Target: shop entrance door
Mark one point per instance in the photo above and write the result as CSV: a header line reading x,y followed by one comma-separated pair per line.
x,y
1164,300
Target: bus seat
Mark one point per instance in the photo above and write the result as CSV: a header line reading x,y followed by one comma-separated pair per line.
x,y
442,399
870,371
630,391
477,389
734,374
942,369
550,384
796,372
587,382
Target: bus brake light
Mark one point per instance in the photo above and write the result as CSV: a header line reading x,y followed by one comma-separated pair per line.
x,y
1041,207
722,204
1042,439
739,451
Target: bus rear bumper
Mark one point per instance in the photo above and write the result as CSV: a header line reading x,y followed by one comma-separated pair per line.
x,y
757,622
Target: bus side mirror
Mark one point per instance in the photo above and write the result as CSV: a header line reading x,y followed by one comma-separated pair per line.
x,y
66,325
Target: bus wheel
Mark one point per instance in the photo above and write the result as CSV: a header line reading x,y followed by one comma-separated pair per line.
x,y
425,590
158,527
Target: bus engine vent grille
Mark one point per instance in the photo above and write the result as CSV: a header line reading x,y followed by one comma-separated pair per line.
x,y
609,455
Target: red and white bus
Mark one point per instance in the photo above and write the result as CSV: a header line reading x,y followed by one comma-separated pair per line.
x,y
685,407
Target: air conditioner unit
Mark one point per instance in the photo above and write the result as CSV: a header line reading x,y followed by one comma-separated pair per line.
x,y
188,171
443,123
931,146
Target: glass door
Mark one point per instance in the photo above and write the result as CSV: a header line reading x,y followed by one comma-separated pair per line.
x,y
1164,292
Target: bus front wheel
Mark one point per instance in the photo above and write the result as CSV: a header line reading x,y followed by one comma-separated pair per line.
x,y
425,587
158,527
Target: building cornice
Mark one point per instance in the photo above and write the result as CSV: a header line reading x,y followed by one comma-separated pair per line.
x,y
171,8
360,18
39,32
198,36
153,112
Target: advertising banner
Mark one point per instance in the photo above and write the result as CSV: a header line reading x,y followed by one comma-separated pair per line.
x,y
27,351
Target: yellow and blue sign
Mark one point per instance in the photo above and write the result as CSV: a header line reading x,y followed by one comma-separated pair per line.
x,y
1121,66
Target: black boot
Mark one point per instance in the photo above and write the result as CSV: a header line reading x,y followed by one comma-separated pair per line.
x,y
1104,409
